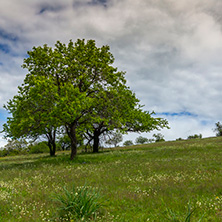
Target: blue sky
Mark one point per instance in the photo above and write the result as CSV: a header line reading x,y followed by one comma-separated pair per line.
x,y
171,51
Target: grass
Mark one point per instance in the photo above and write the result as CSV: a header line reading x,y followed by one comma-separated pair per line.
x,y
81,203
166,181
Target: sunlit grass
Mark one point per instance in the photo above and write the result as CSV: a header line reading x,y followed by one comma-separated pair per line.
x,y
154,182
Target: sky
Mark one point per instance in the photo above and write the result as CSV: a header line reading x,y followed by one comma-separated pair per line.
x,y
170,50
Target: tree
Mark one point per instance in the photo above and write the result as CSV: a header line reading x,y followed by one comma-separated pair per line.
x,y
113,108
128,143
75,86
15,146
195,136
115,138
78,74
218,129
158,137
31,110
64,142
141,140
151,140
119,109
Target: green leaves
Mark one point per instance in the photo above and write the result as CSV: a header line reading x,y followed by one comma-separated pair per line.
x,y
75,86
80,203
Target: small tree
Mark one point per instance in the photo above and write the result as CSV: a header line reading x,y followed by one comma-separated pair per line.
x,y
159,137
128,143
151,140
195,136
64,142
141,140
114,139
218,129
16,147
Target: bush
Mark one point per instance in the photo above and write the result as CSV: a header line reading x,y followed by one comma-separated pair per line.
x,y
141,140
159,137
114,139
40,147
14,147
128,143
80,203
195,136
4,152
218,129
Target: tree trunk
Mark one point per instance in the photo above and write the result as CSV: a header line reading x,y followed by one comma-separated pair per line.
x,y
51,142
50,147
71,131
53,148
96,141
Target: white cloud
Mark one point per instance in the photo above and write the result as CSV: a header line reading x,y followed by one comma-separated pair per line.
x,y
170,50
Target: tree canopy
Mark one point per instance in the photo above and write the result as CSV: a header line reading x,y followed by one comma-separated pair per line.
x,y
75,86
141,140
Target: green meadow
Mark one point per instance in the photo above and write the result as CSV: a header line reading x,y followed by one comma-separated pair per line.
x,y
165,181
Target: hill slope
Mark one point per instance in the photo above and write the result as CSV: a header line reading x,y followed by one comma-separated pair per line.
x,y
154,182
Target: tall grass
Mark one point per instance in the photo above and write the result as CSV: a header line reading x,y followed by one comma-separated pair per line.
x,y
79,203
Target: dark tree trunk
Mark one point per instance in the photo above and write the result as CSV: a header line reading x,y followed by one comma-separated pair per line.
x,y
96,141
51,135
71,131
96,134
52,149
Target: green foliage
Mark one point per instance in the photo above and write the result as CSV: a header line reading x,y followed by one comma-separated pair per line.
x,y
78,74
80,203
141,140
14,147
218,129
115,138
40,147
158,137
75,87
151,140
64,142
128,143
195,136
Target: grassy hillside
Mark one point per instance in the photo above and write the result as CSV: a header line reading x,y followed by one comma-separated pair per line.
x,y
156,182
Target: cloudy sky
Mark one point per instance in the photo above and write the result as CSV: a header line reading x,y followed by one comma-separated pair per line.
x,y
171,51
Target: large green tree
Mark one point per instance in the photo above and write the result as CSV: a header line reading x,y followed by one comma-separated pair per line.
x,y
30,111
78,74
75,86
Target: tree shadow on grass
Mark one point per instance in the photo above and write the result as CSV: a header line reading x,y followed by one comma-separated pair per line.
x,y
37,160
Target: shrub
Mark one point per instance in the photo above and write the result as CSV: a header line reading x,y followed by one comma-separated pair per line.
x,y
159,137
195,136
4,152
40,147
115,138
218,129
141,140
80,203
128,143
14,147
